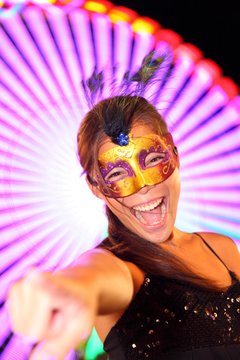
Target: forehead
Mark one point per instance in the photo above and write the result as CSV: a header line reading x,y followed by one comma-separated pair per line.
x,y
136,132
137,148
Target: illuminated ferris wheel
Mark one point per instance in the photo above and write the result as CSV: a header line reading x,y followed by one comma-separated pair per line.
x,y
48,215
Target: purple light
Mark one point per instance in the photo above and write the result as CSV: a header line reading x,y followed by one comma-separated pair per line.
x,y
48,214
184,66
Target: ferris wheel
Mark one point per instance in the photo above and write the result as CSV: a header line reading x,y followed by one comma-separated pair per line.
x,y
48,215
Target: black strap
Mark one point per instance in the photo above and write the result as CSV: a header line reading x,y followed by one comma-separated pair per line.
x,y
214,252
231,273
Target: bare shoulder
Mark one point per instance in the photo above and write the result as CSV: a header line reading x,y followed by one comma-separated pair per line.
x,y
136,273
220,241
226,249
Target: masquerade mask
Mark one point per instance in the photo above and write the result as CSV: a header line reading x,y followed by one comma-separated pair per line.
x,y
147,160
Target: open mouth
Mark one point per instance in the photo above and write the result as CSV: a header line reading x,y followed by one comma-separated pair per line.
x,y
151,214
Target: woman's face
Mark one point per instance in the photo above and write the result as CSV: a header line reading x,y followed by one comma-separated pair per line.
x,y
151,211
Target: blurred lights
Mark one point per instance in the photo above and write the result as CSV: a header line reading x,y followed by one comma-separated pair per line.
x,y
95,6
145,25
118,14
48,214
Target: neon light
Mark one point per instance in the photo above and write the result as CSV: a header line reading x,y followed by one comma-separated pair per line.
x,y
145,25
95,7
119,13
11,11
46,207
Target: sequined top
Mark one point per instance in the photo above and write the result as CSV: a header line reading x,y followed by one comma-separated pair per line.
x,y
171,319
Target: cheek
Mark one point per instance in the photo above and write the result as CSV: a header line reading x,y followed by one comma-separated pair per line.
x,y
117,207
173,182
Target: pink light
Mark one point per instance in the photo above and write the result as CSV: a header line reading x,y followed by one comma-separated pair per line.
x,y
169,37
199,82
182,69
24,71
81,29
163,50
49,49
214,149
214,195
66,47
214,100
219,123
209,223
122,38
46,207
144,43
208,179
102,27
19,32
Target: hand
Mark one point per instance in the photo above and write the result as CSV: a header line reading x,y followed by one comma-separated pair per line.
x,y
52,310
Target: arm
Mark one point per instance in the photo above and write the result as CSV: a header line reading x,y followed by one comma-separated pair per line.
x,y
59,309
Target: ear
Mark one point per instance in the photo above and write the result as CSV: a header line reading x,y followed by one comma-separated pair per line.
x,y
93,186
175,151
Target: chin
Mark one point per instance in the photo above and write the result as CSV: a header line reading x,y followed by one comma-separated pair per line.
x,y
156,235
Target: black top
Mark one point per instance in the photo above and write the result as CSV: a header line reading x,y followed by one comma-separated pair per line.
x,y
174,320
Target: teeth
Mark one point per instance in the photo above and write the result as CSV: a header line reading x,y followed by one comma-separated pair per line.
x,y
148,207
160,218
140,218
163,209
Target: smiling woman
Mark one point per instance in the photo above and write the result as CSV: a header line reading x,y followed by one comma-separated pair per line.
x,y
151,290
124,173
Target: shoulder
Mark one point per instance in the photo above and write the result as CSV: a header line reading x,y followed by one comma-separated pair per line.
x,y
226,249
137,274
220,242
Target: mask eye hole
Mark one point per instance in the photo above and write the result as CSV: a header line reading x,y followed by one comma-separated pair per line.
x,y
153,159
116,174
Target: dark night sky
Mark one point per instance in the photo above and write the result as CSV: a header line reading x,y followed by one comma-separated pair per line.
x,y
212,25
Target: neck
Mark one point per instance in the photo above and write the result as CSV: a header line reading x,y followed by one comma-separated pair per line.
x,y
177,240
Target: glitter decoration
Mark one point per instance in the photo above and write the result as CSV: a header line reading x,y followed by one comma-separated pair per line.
x,y
122,139
47,49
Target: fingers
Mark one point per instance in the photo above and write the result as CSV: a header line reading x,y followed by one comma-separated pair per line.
x,y
77,328
55,313
24,298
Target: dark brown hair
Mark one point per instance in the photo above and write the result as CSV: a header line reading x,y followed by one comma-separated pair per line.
x,y
150,257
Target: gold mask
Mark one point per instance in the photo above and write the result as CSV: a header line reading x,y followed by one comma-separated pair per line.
x,y
147,160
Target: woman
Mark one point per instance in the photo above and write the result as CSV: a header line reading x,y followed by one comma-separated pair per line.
x,y
151,290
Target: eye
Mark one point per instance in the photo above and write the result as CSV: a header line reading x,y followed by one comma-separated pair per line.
x,y
153,159
116,174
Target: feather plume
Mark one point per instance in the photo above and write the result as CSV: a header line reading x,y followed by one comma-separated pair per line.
x,y
133,85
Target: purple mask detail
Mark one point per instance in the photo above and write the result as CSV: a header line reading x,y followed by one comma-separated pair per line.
x,y
144,153
118,163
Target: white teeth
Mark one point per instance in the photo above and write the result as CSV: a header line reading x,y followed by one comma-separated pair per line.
x,y
163,209
159,220
140,218
148,207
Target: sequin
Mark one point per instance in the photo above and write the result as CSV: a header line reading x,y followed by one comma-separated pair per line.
x,y
146,281
167,314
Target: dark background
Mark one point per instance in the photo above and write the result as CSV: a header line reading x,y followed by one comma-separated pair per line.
x,y
213,26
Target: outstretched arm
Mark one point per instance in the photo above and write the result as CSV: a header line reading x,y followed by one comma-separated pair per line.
x,y
58,310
